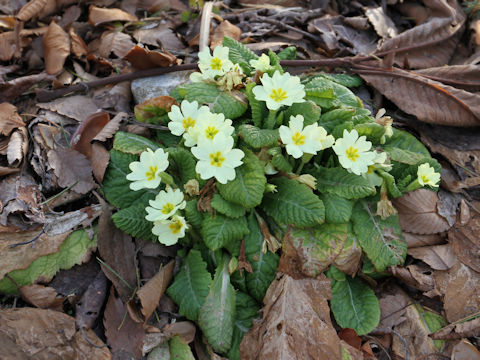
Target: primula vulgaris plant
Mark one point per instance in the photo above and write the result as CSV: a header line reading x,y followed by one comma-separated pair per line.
x,y
251,158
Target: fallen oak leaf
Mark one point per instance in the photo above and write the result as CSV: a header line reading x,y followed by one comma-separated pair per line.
x,y
56,48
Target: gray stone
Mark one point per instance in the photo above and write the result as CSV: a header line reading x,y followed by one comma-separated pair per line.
x,y
150,87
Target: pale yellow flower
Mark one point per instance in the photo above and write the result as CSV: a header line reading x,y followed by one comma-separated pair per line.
x,y
166,204
280,89
146,173
426,175
352,152
169,231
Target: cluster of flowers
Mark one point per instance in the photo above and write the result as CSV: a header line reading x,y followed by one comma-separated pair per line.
x,y
209,136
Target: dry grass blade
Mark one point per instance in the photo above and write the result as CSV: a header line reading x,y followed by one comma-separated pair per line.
x,y
430,101
56,47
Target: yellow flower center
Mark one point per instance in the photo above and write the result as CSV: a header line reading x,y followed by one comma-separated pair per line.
x,y
167,208
216,64
211,132
425,179
188,122
298,139
216,159
175,226
370,169
150,174
278,95
352,153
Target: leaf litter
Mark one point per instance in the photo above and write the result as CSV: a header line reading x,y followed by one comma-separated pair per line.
x,y
47,187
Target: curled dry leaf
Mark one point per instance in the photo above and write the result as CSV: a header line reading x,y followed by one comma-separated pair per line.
x,y
417,276
150,293
185,329
102,15
17,146
429,100
35,332
56,48
86,131
43,297
431,43
439,257
417,213
142,58
79,48
161,36
117,42
9,118
296,323
8,45
31,9
111,127
383,25
226,28
72,168
466,243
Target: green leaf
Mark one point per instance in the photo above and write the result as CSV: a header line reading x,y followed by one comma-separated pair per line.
x,y
72,251
167,139
258,138
132,221
218,312
239,54
338,210
372,131
190,287
183,165
338,181
345,354
390,182
381,240
406,141
179,350
279,160
154,111
293,203
309,110
230,103
349,258
132,143
355,305
219,230
336,117
246,309
317,247
115,183
193,216
405,156
249,184
344,95
227,208
264,265
289,53
321,94
433,322
258,108
344,79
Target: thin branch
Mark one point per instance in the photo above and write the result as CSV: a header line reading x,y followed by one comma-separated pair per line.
x,y
28,241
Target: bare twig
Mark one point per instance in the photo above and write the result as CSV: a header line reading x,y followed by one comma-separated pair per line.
x,y
28,241
287,27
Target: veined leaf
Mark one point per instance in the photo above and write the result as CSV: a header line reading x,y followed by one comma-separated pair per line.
x,y
72,251
289,53
239,54
264,265
343,94
258,138
179,350
154,111
249,184
246,309
348,260
323,96
231,103
314,249
381,240
338,210
193,216
390,182
117,187
132,143
279,160
344,79
227,208
219,230
309,110
132,221
405,156
293,203
406,141
339,181
372,131
218,312
355,305
190,287
335,117
259,108
183,165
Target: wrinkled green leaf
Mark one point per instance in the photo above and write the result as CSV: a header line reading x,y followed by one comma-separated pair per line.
x,y
182,165
191,285
338,210
218,231
289,53
293,203
279,160
179,350
132,221
193,216
239,54
344,79
372,131
258,138
335,117
344,95
227,208
132,143
381,240
338,181
310,111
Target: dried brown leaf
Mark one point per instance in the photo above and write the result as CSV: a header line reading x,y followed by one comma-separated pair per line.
x,y
185,329
72,168
392,309
9,118
123,334
417,240
418,276
77,107
431,43
17,146
117,42
383,25
226,28
8,45
88,308
10,90
350,337
47,334
466,243
118,251
79,48
56,48
155,5
296,323
86,131
150,293
100,160
7,171
439,257
111,127
465,77
99,15
161,36
467,327
143,59
418,214
42,297
31,9
465,350
430,101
